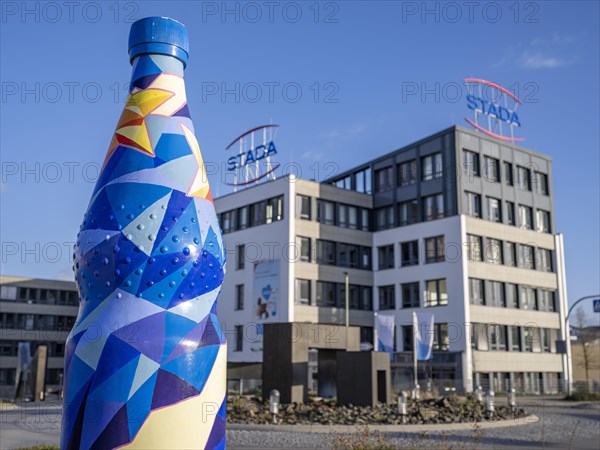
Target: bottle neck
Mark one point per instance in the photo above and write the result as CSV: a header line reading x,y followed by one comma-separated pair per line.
x,y
147,68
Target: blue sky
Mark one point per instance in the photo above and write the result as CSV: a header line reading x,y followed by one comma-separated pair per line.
x,y
64,74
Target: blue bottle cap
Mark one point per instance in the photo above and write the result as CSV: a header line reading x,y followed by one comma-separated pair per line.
x,y
159,35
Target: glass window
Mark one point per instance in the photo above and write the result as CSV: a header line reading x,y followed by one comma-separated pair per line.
x,y
476,291
305,249
434,250
435,293
474,250
523,178
544,260
541,180
528,336
494,210
274,210
497,294
239,338
325,212
508,173
491,170
407,173
366,298
258,213
303,207
471,164
511,295
515,339
409,252
493,251
473,204
385,217
407,338
240,256
326,294
528,298
526,257
342,215
352,217
525,219
410,295
510,213
497,337
409,212
243,217
384,179
325,252
431,167
542,221
546,300
387,297
386,257
434,207
510,254
8,292
364,219
239,296
440,337
302,291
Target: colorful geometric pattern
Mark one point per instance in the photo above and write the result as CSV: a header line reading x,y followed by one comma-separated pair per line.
x,y
146,360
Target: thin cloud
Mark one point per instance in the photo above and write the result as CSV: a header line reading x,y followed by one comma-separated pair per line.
x,y
343,134
541,61
542,53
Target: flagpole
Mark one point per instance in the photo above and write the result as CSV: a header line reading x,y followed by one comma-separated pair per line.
x,y
415,376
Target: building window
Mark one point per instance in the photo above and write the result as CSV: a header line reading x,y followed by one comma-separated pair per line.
x,y
476,291
409,212
528,336
325,252
364,219
514,336
526,257
527,296
366,298
410,295
542,221
352,217
274,210
546,300
243,217
239,297
385,218
326,294
544,260
494,210
525,217
523,178
240,256
474,250
365,258
435,293
302,291
434,250
510,213
510,254
473,204
511,295
325,212
384,179
491,170
545,339
497,337
407,173
407,338
471,164
387,297
541,180
258,213
229,221
434,207
348,255
366,335
239,338
508,173
493,251
497,294
431,167
305,249
409,253
386,257
342,215
440,337
303,207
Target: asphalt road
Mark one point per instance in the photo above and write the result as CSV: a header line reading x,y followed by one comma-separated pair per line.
x,y
561,425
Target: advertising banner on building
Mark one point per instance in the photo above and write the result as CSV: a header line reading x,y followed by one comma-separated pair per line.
x,y
384,325
423,335
265,293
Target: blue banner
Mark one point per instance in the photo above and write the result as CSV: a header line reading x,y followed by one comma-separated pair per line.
x,y
384,325
423,330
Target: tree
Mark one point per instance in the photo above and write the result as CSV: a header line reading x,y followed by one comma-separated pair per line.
x,y
586,339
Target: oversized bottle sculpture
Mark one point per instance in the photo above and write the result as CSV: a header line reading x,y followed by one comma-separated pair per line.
x,y
146,360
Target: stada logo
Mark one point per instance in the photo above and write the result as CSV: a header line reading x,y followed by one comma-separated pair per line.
x,y
252,160
494,109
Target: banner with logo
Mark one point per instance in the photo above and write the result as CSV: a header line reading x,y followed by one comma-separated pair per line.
x,y
423,330
384,326
265,293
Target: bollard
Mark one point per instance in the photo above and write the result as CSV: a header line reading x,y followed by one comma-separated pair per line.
x,y
479,394
416,392
490,402
274,405
403,406
512,399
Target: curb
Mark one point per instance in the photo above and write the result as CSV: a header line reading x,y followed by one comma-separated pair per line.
x,y
527,420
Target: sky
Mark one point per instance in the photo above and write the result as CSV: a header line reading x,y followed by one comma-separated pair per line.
x,y
347,81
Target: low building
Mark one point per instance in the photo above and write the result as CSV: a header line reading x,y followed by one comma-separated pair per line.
x,y
458,224
39,312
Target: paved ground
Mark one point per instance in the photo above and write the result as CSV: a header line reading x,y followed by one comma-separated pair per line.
x,y
561,425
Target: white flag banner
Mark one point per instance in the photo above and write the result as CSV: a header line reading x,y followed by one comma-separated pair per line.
x,y
423,329
384,325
